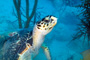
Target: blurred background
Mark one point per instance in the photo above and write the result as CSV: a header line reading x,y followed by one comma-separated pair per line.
x,y
69,40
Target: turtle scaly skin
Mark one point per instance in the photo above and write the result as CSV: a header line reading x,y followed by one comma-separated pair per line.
x,y
13,48
25,44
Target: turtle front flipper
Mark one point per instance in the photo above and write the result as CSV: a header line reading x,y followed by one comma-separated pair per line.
x,y
46,51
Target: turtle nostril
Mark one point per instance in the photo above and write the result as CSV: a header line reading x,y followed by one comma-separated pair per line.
x,y
47,24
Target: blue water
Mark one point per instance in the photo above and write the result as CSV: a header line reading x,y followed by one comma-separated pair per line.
x,y
59,39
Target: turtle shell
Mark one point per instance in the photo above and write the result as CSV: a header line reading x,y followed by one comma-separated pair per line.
x,y
17,45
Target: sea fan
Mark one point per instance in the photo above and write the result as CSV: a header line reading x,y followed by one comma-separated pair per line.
x,y
84,26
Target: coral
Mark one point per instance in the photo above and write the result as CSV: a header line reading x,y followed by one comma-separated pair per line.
x,y
32,14
84,26
17,5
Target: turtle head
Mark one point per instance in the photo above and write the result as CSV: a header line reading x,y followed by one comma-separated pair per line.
x,y
47,24
41,29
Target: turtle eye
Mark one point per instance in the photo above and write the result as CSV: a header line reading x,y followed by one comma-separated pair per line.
x,y
46,21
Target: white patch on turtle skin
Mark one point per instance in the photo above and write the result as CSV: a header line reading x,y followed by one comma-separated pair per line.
x,y
18,41
29,38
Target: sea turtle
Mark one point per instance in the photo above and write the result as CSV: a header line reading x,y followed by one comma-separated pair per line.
x,y
25,44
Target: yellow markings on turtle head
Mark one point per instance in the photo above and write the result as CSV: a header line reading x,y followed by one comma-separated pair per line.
x,y
47,23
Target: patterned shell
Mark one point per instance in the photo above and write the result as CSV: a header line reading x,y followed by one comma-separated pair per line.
x,y
17,45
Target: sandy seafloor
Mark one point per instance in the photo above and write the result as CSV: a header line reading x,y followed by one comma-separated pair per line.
x,y
58,39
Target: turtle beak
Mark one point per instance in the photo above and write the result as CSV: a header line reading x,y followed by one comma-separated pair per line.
x,y
54,20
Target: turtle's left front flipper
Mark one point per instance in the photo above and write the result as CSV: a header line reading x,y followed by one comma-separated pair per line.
x,y
46,51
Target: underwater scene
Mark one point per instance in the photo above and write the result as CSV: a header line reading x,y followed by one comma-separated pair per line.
x,y
44,29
